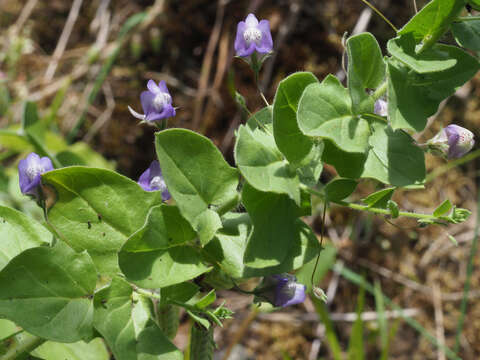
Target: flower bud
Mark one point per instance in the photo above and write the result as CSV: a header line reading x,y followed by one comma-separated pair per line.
x,y
30,170
453,142
281,290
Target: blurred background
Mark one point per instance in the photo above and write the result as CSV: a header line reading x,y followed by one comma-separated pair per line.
x,y
84,62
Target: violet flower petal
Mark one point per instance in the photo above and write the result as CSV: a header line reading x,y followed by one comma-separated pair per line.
x,y
162,85
266,44
251,20
30,170
146,98
152,87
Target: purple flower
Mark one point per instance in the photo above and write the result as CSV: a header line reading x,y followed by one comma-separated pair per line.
x,y
156,103
152,180
381,107
30,170
453,141
253,35
281,290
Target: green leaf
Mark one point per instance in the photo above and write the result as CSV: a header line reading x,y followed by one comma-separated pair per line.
x,y
273,217
125,321
394,158
380,198
262,119
197,177
366,70
180,292
229,245
94,350
207,300
290,140
393,207
311,171
165,227
347,164
97,210
326,261
47,291
7,329
443,208
325,111
467,34
432,60
263,165
19,233
12,139
414,97
153,268
339,189
429,24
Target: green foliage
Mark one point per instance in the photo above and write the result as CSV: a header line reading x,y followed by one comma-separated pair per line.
x,y
429,24
414,97
275,228
325,111
48,292
434,59
327,259
467,34
152,268
124,319
366,70
96,210
198,183
379,198
19,233
443,208
263,165
106,241
288,137
94,350
339,189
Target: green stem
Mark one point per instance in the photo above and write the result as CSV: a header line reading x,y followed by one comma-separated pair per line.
x,y
380,91
467,18
22,346
466,289
372,209
147,293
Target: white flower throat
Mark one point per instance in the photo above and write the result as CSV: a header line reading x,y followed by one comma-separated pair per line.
x,y
252,34
161,99
158,183
33,170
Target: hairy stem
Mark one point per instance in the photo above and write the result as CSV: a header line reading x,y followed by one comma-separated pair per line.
x,y
381,90
373,209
